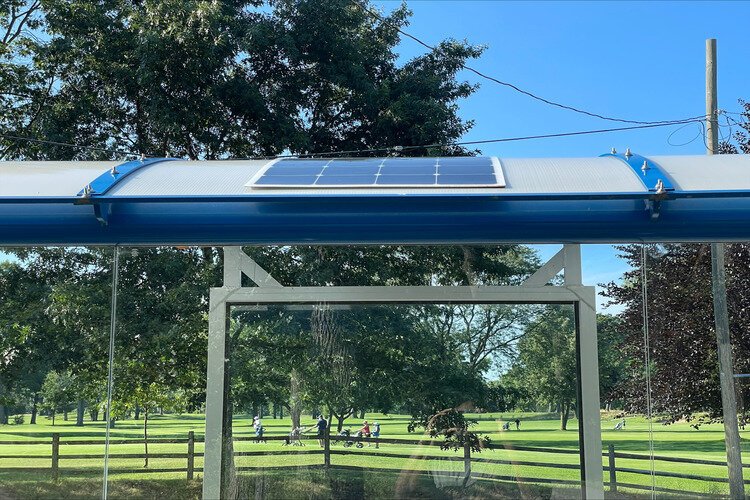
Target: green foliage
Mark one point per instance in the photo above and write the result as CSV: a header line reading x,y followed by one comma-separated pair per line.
x,y
58,392
453,426
684,364
238,78
546,367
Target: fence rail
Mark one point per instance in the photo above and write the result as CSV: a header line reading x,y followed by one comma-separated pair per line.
x,y
56,445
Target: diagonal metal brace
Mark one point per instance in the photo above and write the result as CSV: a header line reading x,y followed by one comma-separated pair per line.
x,y
237,263
568,260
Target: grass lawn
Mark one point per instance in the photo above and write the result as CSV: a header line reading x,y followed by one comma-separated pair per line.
x,y
441,472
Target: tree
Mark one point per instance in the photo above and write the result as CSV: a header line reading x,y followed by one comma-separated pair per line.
x,y
613,366
57,392
546,367
683,369
219,79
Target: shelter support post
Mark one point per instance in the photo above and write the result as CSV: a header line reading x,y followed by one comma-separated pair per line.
x,y
217,320
590,417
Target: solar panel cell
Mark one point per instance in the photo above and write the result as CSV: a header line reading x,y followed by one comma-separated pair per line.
x,y
465,169
349,169
462,180
406,169
345,180
406,180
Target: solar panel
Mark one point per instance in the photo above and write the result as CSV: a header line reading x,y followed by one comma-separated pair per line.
x,y
481,172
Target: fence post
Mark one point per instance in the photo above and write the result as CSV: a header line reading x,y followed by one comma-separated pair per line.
x,y
191,454
55,456
327,447
467,460
612,471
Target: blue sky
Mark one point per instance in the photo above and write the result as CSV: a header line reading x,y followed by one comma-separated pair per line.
x,y
633,60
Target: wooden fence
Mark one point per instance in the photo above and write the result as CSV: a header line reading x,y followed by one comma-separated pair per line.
x,y
468,459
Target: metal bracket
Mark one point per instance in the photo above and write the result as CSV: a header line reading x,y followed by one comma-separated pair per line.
x,y
650,173
110,178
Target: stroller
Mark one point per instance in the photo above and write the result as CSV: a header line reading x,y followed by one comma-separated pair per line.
x,y
343,436
358,434
293,438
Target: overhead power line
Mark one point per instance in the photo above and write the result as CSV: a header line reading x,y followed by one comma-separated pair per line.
x,y
66,144
696,119
510,85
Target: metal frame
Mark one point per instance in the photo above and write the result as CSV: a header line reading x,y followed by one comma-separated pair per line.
x,y
534,290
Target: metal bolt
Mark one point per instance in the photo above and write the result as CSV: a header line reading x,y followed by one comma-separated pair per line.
x,y
645,168
614,151
87,191
143,156
660,187
114,171
628,154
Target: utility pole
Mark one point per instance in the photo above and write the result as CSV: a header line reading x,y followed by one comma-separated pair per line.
x,y
719,289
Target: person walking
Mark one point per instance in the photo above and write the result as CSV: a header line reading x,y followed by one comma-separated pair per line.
x,y
518,425
376,433
322,426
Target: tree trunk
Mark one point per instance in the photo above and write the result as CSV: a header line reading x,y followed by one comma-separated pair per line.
x,y
275,413
111,423
3,415
34,408
295,401
65,414
79,413
145,438
53,418
564,415
281,411
549,407
94,414
340,424
137,412
362,414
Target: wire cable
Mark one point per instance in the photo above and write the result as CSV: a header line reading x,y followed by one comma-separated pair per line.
x,y
507,84
66,144
492,141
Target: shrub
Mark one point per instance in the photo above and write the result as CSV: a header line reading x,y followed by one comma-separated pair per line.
x,y
18,419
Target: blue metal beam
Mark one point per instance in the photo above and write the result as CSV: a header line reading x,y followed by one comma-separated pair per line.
x,y
109,179
649,172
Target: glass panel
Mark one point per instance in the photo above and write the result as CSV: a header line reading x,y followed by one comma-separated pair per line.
x,y
54,343
684,373
159,371
413,396
617,271
671,394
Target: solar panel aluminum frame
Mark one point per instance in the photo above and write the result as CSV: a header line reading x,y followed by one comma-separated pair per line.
x,y
253,185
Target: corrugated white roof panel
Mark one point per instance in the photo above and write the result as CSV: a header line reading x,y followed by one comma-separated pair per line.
x,y
49,178
227,177
707,173
570,175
